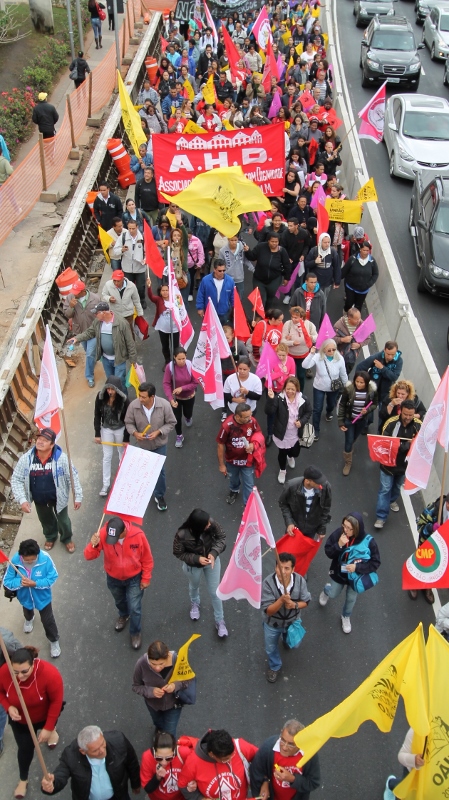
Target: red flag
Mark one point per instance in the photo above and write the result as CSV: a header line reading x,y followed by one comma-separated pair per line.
x,y
3,557
435,428
232,53
383,449
241,329
372,116
323,220
313,150
256,302
270,68
152,253
307,100
328,118
428,567
164,44
49,397
302,547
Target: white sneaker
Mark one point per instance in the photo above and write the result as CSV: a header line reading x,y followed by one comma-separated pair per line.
x,y
286,300
28,625
55,649
394,506
281,476
346,624
104,491
190,298
323,598
379,523
291,462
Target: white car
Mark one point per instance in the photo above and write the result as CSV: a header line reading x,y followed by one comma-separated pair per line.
x,y
416,133
436,32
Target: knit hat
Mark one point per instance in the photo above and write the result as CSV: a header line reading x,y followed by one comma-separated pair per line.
x,y
114,529
359,232
48,433
313,474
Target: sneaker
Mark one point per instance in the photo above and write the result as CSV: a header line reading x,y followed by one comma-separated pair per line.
x,y
190,298
232,497
104,491
346,624
388,794
188,422
194,611
222,629
224,416
281,476
329,417
55,649
161,504
28,625
316,438
272,675
179,440
91,383
291,462
394,506
324,598
379,523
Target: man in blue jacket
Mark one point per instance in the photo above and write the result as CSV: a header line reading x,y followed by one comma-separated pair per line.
x,y
384,369
219,287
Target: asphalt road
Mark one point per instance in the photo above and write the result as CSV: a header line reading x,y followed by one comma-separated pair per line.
x,y
97,663
394,194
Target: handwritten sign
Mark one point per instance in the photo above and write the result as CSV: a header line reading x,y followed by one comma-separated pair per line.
x,y
134,484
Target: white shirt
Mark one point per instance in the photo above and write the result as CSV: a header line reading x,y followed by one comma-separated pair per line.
x,y
281,585
219,286
148,412
232,386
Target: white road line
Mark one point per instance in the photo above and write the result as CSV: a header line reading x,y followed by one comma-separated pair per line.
x,y
422,71
414,531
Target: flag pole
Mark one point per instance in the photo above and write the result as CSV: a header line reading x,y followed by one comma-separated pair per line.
x,y
24,708
171,322
443,483
72,482
347,134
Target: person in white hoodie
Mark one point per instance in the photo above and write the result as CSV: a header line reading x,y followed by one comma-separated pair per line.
x,y
329,382
409,761
123,295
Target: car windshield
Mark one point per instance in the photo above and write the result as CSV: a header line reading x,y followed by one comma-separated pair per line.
x,y
442,220
426,125
403,42
444,23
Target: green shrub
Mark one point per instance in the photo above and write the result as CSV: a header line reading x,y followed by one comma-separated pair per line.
x,y
16,109
39,78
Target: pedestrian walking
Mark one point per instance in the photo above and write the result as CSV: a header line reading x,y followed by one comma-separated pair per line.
x,y
97,14
291,412
180,387
42,476
121,293
107,206
408,760
233,255
325,263
310,297
45,116
150,419
299,334
274,769
12,644
161,765
198,544
358,400
242,387
384,368
146,193
329,381
79,306
111,405
235,451
359,274
32,580
284,594
355,560
428,522
43,690
272,267
98,765
115,343
78,69
347,346
151,680
5,169
219,287
400,391
163,321
129,247
306,503
284,369
128,564
218,761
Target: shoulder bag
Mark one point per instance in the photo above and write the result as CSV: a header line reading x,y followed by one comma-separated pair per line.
x,y
337,384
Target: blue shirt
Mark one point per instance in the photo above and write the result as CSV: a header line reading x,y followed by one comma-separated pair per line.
x,y
101,786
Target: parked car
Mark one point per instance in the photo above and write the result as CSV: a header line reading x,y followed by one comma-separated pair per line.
x,y
429,227
416,134
436,32
389,53
365,10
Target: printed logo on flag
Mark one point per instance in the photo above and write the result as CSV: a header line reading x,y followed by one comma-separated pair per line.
x,y
429,562
248,550
382,450
264,34
426,443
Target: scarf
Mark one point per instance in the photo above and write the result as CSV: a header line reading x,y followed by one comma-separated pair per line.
x,y
305,334
323,253
363,261
308,298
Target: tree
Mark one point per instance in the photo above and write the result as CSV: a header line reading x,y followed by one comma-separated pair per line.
x,y
10,26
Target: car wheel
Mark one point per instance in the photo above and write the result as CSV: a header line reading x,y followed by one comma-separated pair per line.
x,y
421,287
392,173
365,82
432,52
418,20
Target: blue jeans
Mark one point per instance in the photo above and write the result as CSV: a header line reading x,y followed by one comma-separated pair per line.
x,y
96,26
3,721
161,486
333,589
353,432
272,636
128,599
90,348
111,368
318,403
116,263
389,491
243,474
212,578
165,720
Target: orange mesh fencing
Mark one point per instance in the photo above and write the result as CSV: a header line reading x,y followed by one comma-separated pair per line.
x,y
20,192
79,101
56,151
103,80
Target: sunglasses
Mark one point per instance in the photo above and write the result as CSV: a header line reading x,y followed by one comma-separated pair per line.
x,y
164,758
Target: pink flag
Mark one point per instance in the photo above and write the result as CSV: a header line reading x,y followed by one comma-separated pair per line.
x,y
178,310
318,197
275,105
49,397
268,361
299,269
434,428
211,346
364,330
243,577
326,331
262,29
211,25
372,116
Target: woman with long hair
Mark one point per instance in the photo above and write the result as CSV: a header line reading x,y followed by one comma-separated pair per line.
x,y
359,399
111,404
93,8
152,681
179,388
400,390
163,321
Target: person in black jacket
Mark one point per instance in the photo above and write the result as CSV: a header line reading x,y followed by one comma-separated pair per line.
x,y
198,544
296,241
263,775
286,432
106,207
324,261
81,68
120,765
359,274
353,553
45,116
146,194
272,267
111,404
306,503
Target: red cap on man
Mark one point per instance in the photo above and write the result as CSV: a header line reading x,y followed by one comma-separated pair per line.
x,y
78,287
118,275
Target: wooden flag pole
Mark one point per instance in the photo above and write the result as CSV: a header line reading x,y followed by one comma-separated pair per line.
x,y
101,523
72,482
443,483
24,708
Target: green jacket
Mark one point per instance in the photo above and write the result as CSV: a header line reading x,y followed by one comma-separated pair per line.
x,y
122,339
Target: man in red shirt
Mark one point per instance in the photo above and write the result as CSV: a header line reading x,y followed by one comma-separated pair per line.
x,y
219,766
274,771
234,449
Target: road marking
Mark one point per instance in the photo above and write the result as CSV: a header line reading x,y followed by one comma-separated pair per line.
x,y
422,71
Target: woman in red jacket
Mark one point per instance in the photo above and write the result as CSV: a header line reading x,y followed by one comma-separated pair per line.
x,y
43,691
161,766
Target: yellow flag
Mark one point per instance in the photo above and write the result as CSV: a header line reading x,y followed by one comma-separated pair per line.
x,y
299,48
367,192
316,12
132,379
219,196
402,672
189,89
182,670
192,127
326,40
262,55
209,91
343,210
286,36
131,120
227,125
171,218
430,782
105,240
291,63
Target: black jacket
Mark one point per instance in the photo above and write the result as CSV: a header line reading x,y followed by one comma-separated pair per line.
x,y
224,90
45,117
122,765
261,769
394,427
120,405
81,67
278,405
340,555
293,506
346,403
329,274
358,277
188,548
296,244
269,266
419,408
330,164
146,195
385,377
317,308
105,212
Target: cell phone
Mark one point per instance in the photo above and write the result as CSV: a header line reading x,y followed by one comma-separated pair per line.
x,y
344,568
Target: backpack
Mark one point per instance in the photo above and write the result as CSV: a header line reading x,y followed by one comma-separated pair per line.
x,y
308,435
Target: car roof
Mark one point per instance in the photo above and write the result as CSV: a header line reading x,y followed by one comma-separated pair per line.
x,y
392,22
423,102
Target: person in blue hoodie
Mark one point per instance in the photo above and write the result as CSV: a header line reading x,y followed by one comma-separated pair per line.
x,y
219,287
32,579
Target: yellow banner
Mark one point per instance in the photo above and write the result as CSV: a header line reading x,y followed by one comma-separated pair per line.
x,y
343,210
189,89
182,670
209,91
105,240
132,122
367,192
192,127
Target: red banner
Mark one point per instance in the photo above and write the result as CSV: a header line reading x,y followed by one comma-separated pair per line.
x,y
259,151
302,547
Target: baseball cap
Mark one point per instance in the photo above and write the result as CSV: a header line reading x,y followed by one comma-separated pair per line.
x,y
78,287
101,307
42,96
48,433
118,274
114,529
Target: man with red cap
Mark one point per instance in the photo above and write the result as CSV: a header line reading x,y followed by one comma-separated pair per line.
x,y
122,294
79,306
128,564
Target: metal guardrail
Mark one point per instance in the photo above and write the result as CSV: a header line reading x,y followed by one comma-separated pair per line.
x,y
72,246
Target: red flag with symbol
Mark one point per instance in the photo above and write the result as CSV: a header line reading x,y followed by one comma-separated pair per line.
x,y
372,116
49,397
241,328
256,301
152,253
428,566
302,547
383,449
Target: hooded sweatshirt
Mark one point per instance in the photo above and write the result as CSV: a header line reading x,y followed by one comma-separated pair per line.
x,y
123,561
43,572
107,416
214,779
43,693
329,271
314,307
342,555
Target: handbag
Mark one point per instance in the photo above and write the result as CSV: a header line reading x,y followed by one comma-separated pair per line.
x,y
10,594
187,696
337,384
101,13
361,583
74,74
183,280
295,634
307,435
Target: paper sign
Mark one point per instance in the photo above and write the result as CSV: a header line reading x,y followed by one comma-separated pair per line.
x,y
344,210
134,483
